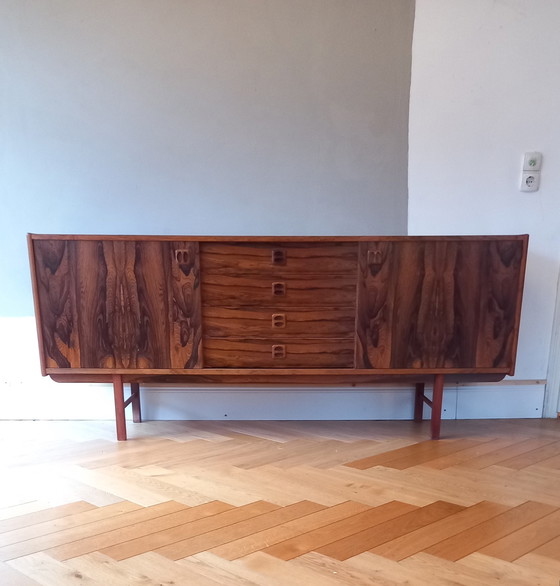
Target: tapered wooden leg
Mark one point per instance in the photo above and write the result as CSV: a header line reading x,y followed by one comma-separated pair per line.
x,y
437,402
419,402
135,400
118,391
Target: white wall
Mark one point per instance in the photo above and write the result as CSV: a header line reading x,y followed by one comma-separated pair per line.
x,y
485,86
191,117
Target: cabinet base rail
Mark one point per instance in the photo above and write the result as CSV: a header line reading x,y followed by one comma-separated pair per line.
x,y
420,399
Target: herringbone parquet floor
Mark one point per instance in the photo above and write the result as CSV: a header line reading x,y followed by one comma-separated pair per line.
x,y
280,503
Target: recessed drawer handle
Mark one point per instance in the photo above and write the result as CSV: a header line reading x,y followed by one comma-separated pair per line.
x,y
278,351
278,320
374,257
278,289
182,256
278,256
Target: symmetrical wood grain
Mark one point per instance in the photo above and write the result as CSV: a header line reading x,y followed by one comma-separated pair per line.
x,y
439,304
118,303
266,503
413,303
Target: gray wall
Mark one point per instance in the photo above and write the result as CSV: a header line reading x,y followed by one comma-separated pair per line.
x,y
200,117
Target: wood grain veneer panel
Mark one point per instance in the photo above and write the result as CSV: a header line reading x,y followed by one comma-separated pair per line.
x,y
122,304
236,258
501,283
448,303
298,352
54,279
244,290
378,268
184,304
258,322
424,328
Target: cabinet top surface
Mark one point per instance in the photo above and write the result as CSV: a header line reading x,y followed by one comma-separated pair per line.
x,y
206,238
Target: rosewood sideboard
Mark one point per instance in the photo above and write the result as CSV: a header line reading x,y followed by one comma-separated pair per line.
x,y
277,310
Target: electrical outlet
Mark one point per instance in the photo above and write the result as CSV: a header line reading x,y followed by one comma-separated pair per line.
x,y
530,181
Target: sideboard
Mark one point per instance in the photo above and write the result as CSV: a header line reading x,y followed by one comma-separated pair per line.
x,y
277,311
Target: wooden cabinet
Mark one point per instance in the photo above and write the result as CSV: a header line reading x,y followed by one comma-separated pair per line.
x,y
317,310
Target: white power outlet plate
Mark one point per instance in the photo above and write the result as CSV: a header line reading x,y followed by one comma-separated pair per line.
x,y
530,181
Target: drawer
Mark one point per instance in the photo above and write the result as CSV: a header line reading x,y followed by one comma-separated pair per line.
x,y
281,353
315,290
269,322
269,258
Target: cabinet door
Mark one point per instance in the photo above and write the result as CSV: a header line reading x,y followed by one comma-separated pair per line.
x,y
448,303
118,303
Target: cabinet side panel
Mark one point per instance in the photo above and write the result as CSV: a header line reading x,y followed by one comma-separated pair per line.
x,y
499,303
184,304
55,288
376,292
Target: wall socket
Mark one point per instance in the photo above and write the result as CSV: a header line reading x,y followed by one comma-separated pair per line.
x,y
530,180
531,171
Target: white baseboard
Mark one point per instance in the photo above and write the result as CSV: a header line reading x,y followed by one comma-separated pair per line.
x,y
49,400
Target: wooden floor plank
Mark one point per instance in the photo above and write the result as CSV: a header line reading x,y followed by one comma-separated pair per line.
x,y
531,457
385,458
426,565
544,564
525,540
79,519
301,544
420,539
551,549
262,539
100,520
44,516
440,450
475,538
385,572
47,571
506,572
370,538
277,572
238,530
160,570
166,528
155,517
483,447
506,473
12,577
507,453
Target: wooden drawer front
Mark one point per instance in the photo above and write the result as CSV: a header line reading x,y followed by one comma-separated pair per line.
x,y
278,353
268,259
314,291
266,323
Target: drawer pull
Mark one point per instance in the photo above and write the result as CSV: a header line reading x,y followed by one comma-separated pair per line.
x,y
278,351
278,320
278,257
375,257
183,256
278,289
